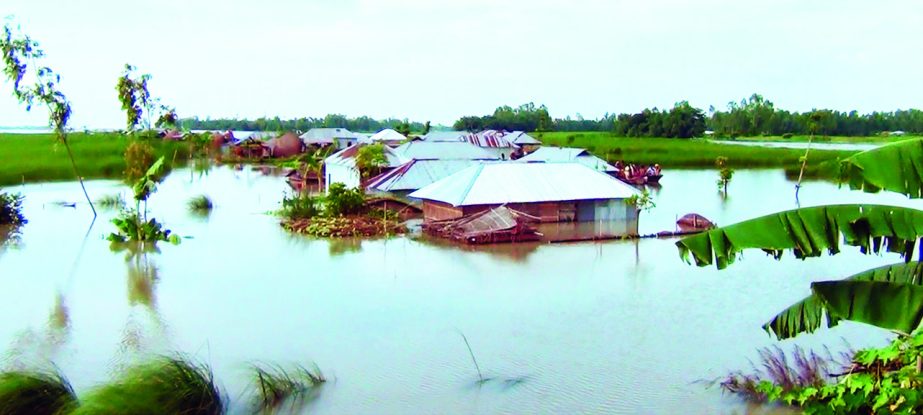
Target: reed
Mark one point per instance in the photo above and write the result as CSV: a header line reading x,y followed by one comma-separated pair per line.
x,y
276,386
801,369
112,202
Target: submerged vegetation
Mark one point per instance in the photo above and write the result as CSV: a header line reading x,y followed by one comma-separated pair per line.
x,y
276,386
340,213
35,393
725,173
11,209
132,225
113,201
875,380
200,204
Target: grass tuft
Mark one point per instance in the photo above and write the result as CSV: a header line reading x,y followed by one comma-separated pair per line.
x,y
163,386
276,386
113,201
803,369
200,204
35,393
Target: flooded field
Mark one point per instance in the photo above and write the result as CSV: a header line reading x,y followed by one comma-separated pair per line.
x,y
610,327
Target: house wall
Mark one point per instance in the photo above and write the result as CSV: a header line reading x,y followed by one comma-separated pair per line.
x,y
435,211
338,173
342,143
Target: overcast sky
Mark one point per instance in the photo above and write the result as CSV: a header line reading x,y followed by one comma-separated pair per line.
x,y
438,60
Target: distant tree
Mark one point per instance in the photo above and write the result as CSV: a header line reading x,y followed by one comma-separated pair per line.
x,y
426,128
403,128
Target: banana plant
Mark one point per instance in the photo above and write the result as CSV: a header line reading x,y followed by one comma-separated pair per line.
x,y
889,297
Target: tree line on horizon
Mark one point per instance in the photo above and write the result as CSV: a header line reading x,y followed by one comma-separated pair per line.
x,y
753,116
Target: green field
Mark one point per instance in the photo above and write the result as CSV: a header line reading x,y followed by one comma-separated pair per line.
x,y
28,158
876,139
692,153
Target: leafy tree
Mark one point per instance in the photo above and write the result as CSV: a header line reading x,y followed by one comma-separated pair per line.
x,y
370,159
426,128
725,173
403,128
138,104
20,55
11,209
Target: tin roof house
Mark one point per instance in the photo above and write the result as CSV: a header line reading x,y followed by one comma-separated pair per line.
x,y
428,162
340,167
569,154
337,137
495,142
443,136
387,137
552,192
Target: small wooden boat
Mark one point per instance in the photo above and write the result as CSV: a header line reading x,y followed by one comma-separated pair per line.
x,y
694,222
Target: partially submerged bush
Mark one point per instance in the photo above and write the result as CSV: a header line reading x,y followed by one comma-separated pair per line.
x,y
164,386
200,204
276,386
130,226
299,206
341,201
878,380
11,209
35,394
801,370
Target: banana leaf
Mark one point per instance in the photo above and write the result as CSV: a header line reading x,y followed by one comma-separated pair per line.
x,y
888,305
811,313
808,232
897,167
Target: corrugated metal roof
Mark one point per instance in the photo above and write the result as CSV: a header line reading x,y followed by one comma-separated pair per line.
x,y
325,135
489,138
568,154
436,136
521,138
384,136
417,174
443,150
347,156
499,183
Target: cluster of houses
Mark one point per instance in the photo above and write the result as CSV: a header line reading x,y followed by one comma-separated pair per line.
x,y
457,174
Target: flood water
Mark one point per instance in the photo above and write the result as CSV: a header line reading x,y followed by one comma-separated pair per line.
x,y
610,327
803,145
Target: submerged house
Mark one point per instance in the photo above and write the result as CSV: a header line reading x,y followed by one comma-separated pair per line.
x,y
428,162
340,167
286,145
552,192
336,137
569,154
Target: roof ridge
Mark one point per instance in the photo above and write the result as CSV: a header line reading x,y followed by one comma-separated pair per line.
x,y
464,195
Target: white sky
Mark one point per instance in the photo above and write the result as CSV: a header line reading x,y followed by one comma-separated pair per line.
x,y
438,60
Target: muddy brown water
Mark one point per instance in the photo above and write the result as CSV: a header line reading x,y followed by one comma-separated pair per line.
x,y
606,327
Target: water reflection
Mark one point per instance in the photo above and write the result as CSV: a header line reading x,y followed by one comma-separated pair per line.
x,y
516,253
144,330
36,348
341,246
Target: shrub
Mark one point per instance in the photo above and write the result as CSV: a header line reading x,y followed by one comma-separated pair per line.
x,y
164,386
200,204
787,135
342,201
299,206
35,394
11,209
113,201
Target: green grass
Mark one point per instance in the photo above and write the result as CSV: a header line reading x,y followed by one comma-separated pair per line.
x,y
163,386
35,393
39,157
694,153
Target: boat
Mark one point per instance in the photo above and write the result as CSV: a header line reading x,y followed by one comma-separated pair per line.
x,y
692,222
